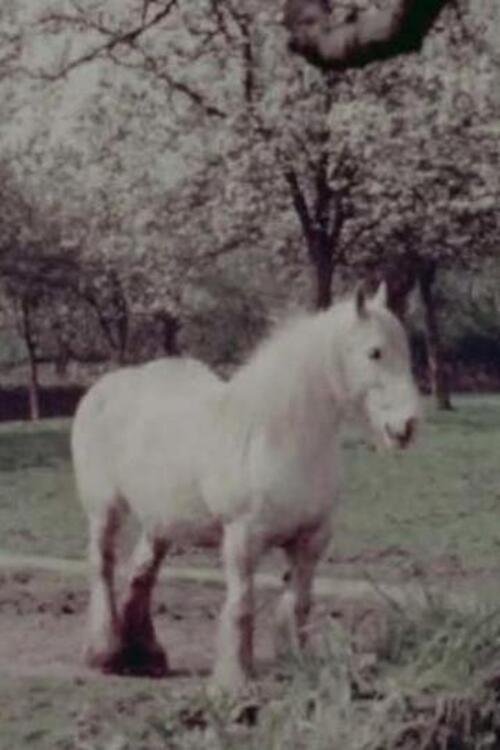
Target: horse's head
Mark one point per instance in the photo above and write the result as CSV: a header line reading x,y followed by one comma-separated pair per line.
x,y
375,363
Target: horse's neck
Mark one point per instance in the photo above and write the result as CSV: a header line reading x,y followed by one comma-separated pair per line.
x,y
286,390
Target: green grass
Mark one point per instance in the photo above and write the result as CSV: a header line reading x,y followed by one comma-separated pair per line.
x,y
438,502
52,714
425,687
39,511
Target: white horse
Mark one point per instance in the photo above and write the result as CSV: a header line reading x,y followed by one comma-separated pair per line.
x,y
253,460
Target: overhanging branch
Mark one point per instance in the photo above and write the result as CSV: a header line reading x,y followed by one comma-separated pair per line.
x,y
112,41
299,202
113,44
376,33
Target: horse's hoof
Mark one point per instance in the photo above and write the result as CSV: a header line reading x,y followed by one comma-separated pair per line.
x,y
103,661
142,661
132,661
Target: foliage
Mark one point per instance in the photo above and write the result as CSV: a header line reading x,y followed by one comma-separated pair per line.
x,y
199,148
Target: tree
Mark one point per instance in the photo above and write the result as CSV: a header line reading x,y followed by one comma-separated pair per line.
x,y
33,271
278,158
332,173
441,214
66,303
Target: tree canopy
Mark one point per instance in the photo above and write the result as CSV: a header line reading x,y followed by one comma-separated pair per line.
x,y
183,154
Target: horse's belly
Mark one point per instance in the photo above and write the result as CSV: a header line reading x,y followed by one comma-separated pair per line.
x,y
163,499
159,469
205,532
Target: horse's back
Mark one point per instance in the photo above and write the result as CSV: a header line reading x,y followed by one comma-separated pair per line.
x,y
176,372
122,408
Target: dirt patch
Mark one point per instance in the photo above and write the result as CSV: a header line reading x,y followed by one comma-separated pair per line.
x,y
51,701
43,617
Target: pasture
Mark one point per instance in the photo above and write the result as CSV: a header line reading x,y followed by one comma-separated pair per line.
x,y
430,516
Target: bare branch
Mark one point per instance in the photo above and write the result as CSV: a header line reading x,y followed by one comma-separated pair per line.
x,y
365,229
323,191
299,201
113,41
243,22
151,64
339,218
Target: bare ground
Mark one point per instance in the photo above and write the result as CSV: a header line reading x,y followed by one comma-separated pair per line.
x,y
42,624
43,603
51,701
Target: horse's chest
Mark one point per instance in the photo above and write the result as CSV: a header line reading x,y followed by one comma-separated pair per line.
x,y
297,483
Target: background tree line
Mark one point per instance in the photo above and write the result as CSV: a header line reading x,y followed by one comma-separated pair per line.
x,y
173,179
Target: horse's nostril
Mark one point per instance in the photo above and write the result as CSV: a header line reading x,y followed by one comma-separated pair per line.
x,y
405,436
410,427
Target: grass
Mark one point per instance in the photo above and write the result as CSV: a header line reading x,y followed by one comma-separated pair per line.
x,y
426,687
439,502
429,681
39,511
50,714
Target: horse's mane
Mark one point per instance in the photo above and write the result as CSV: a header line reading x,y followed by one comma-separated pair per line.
x,y
290,363
294,332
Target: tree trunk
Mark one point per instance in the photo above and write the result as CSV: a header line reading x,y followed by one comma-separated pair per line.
x,y
170,330
323,277
34,389
435,360
120,312
322,222
29,339
63,355
400,275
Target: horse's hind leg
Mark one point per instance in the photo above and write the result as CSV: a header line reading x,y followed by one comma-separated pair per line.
x,y
303,554
141,652
103,640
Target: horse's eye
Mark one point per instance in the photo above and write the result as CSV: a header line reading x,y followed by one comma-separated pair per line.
x,y
376,353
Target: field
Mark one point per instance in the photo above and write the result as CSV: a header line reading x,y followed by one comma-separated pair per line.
x,y
381,674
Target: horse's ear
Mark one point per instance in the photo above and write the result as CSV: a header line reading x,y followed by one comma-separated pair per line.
x,y
360,298
381,296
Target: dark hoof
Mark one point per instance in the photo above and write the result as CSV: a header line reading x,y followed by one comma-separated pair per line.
x,y
133,661
140,661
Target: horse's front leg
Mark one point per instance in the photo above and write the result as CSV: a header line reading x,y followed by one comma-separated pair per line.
x,y
234,656
303,554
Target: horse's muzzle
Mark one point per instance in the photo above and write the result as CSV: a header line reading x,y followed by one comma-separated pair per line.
x,y
403,437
